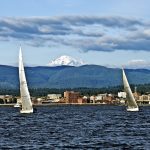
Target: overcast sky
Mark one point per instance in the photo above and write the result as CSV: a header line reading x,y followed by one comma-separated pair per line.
x,y
103,32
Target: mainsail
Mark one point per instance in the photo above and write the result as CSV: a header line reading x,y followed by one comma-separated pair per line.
x,y
131,103
25,96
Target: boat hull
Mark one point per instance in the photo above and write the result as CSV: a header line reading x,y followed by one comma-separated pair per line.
x,y
17,105
26,111
133,109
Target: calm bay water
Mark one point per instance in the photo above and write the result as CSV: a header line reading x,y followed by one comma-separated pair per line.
x,y
75,127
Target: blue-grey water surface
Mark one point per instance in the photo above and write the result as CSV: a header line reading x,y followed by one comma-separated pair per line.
x,y
75,127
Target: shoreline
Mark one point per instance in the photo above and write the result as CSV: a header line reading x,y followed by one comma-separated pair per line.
x,y
69,104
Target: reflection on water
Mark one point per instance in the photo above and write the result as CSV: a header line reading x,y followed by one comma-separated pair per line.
x,y
75,127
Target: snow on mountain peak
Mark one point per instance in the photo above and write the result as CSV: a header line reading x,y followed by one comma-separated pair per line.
x,y
66,60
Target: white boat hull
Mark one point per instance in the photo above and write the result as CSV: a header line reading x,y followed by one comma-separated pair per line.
x,y
26,111
133,109
17,105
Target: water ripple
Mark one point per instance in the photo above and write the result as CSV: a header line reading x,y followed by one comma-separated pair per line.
x,y
75,127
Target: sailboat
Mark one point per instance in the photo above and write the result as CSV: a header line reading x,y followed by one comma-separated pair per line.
x,y
24,92
131,103
17,105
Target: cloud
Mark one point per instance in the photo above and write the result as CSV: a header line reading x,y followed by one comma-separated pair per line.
x,y
137,63
86,33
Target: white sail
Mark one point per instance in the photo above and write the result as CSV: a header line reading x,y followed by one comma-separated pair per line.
x,y
131,103
25,96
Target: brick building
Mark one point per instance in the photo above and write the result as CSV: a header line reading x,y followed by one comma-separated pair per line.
x,y
71,97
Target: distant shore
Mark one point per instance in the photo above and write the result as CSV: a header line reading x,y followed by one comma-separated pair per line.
x,y
61,104
67,104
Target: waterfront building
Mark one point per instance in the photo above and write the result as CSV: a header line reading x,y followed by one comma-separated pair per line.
x,y
6,99
104,99
122,101
87,99
39,100
2,96
144,99
92,99
82,100
71,96
54,96
122,94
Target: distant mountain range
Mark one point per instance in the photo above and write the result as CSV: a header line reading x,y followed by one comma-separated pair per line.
x,y
91,76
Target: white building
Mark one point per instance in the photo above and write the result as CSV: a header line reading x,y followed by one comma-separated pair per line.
x,y
122,94
99,97
54,96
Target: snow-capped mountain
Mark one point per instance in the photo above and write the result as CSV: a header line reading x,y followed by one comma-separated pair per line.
x,y
66,60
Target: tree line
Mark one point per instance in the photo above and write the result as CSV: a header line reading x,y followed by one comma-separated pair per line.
x,y
38,92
